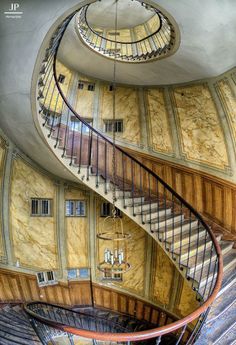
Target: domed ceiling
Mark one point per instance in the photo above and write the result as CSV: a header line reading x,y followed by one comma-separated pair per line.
x,y
207,47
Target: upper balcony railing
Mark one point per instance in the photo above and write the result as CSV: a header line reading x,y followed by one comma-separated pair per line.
x,y
149,46
86,149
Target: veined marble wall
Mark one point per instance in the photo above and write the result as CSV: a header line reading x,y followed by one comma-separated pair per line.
x,y
84,102
34,239
127,109
187,302
201,135
51,93
228,99
133,280
162,276
159,128
77,232
2,165
183,123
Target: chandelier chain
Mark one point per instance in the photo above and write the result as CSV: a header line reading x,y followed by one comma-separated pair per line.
x,y
114,116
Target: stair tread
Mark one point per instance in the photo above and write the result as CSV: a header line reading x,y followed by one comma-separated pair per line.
x,y
153,210
177,237
215,332
225,246
193,244
15,339
165,217
228,261
168,231
222,303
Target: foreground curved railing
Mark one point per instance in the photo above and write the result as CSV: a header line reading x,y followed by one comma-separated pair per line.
x,y
99,319
154,45
198,258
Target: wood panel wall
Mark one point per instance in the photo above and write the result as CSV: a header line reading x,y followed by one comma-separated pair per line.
x,y
18,287
108,298
21,287
213,197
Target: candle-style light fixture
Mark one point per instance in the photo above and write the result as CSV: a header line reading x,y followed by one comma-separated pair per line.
x,y
115,254
114,260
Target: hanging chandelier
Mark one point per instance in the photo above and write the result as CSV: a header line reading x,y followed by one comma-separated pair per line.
x,y
115,254
116,248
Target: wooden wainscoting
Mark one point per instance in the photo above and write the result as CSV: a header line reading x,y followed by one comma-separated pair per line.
x,y
213,197
16,287
21,287
124,303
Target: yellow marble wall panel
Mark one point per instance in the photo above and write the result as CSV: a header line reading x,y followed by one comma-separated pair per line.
x,y
84,102
2,165
200,129
153,23
188,302
162,275
133,280
52,98
77,230
159,124
127,108
228,100
96,39
34,238
141,33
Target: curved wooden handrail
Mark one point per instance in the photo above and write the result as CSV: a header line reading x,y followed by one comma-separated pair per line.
x,y
156,332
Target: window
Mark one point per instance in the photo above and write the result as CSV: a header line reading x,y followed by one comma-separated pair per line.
x,y
114,50
118,126
91,87
99,32
106,209
75,208
76,124
80,85
78,273
114,33
46,278
61,78
108,275
111,88
41,207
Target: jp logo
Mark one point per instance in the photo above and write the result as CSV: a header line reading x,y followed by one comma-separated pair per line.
x,y
14,7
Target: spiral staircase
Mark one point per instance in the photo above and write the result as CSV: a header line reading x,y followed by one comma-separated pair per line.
x,y
146,199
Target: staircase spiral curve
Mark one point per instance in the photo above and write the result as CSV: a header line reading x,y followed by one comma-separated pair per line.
x,y
140,193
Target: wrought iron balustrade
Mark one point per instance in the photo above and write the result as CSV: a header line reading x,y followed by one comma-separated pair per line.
x,y
172,222
152,46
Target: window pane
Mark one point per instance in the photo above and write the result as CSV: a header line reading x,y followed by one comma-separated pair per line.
x,y
72,274
83,272
105,209
61,78
69,208
80,208
50,275
35,206
40,276
45,207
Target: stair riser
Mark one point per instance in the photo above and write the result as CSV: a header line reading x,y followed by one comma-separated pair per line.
x,y
145,207
185,228
153,215
226,267
207,261
131,201
194,251
185,240
167,222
